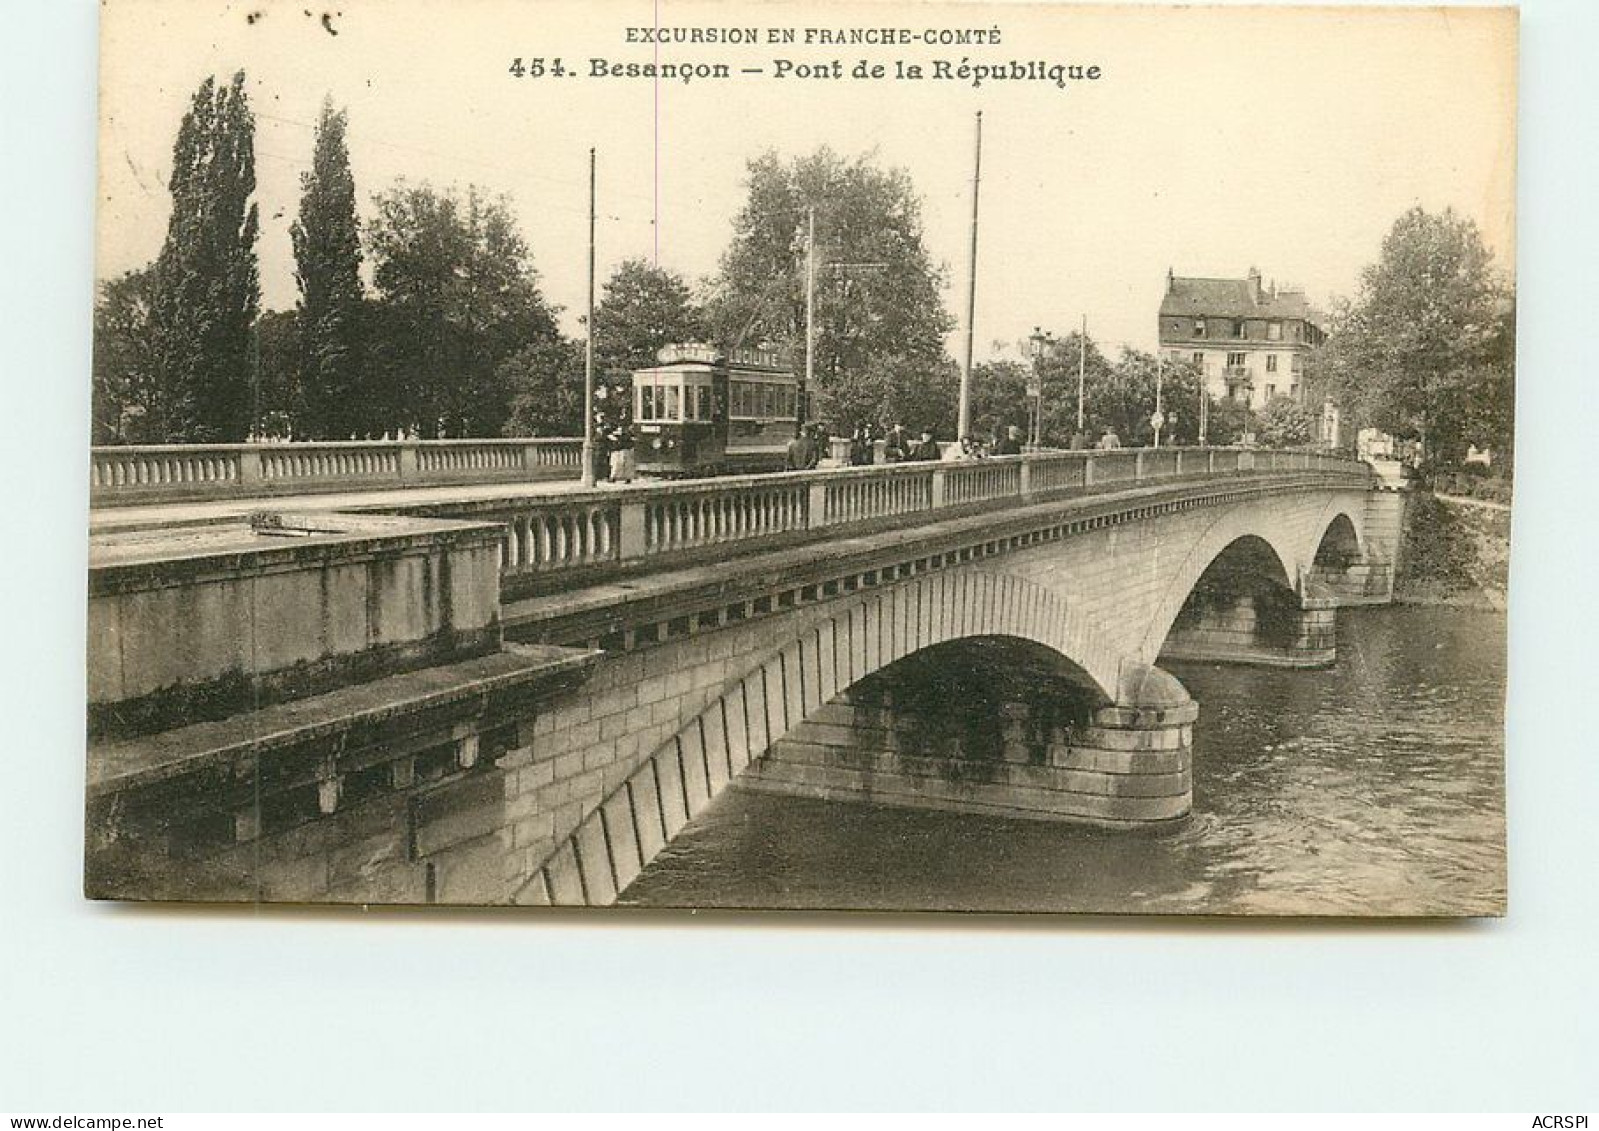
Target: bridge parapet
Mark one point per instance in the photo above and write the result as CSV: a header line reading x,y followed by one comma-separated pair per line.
x,y
553,540
184,472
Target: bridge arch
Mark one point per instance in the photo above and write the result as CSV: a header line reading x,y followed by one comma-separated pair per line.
x,y
1270,547
613,843
1336,533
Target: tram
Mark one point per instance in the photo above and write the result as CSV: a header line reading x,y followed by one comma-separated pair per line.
x,y
704,411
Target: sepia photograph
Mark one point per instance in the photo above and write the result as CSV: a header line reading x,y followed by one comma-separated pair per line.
x,y
802,456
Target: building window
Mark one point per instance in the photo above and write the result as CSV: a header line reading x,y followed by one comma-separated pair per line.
x,y
1271,363
1199,327
1199,359
1236,360
1238,328
1274,331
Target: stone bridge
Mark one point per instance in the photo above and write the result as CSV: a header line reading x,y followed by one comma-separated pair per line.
x,y
662,641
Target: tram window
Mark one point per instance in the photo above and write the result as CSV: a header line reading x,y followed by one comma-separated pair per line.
x,y
704,396
646,402
669,408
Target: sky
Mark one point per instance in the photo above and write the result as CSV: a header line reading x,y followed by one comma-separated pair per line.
x,y
1215,139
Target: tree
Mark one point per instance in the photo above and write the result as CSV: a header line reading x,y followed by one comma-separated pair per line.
x,y
546,382
335,400
1228,421
206,287
1124,399
643,307
868,318
127,387
892,389
1421,348
1286,423
999,397
459,295
278,357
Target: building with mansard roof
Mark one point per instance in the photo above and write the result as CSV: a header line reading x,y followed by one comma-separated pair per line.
x,y
1249,340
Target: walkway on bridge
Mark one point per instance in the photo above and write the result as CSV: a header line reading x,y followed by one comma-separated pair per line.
x,y
139,517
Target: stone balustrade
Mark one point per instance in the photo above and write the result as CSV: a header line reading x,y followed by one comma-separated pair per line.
x,y
186,472
614,526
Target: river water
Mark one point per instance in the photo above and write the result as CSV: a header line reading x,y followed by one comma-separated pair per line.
x,y
1372,788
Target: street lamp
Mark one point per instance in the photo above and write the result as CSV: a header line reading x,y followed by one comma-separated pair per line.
x,y
1040,343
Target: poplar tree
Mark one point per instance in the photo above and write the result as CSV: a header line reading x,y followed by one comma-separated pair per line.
x,y
327,267
207,288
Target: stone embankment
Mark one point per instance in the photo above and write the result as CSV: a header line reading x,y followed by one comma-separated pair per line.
x,y
1456,551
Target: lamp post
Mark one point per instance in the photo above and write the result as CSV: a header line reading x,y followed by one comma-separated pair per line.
x,y
1040,343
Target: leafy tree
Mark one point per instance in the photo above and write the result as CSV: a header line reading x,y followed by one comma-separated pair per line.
x,y
206,287
894,389
868,319
1059,372
127,387
1286,423
643,307
1421,352
327,256
999,397
459,296
278,357
1124,399
1227,421
546,382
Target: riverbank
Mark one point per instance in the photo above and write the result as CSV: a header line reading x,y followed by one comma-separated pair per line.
x,y
1456,553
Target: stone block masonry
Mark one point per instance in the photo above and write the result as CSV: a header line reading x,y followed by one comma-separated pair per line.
x,y
442,791
1114,772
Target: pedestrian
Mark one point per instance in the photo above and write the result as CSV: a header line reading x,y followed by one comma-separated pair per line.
x,y
624,463
897,446
800,452
1011,445
927,448
1110,441
860,446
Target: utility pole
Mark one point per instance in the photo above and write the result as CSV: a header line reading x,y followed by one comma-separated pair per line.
x,y
587,478
810,320
1082,359
964,426
1160,373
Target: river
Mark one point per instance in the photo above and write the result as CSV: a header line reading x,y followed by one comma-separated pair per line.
x,y
1372,788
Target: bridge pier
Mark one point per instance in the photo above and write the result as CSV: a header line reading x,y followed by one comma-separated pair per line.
x,y
1121,765
1260,629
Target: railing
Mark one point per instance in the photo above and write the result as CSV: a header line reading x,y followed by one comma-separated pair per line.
x,y
178,472
664,522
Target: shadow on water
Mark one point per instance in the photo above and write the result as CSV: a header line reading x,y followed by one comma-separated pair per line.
x,y
1375,787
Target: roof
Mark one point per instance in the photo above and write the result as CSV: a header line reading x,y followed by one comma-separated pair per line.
x,y
1231,298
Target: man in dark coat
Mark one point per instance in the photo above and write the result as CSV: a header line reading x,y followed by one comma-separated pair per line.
x,y
927,448
1011,444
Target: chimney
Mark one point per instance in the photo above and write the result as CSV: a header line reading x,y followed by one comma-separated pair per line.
x,y
1254,285
1171,280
